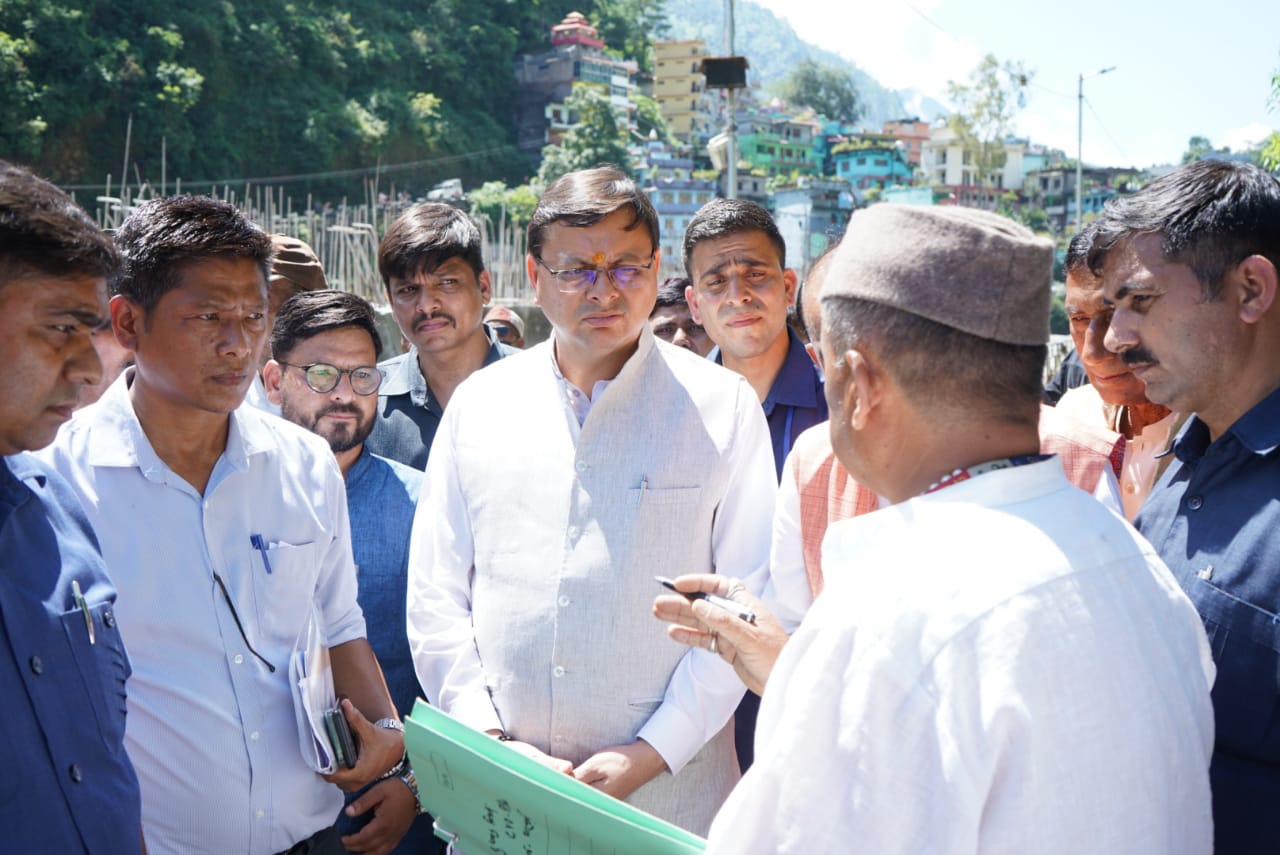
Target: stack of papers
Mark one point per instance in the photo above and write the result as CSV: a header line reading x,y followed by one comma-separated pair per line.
x,y
312,681
487,797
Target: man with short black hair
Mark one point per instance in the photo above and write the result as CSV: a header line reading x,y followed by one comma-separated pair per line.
x,y
323,374
1189,270
63,668
431,265
531,566
672,322
226,531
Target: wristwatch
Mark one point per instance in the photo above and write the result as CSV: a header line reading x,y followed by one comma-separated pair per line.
x,y
390,724
411,781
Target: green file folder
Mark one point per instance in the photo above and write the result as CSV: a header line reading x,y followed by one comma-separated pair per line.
x,y
489,798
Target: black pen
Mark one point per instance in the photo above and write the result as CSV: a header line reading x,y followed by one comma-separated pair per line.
x,y
719,602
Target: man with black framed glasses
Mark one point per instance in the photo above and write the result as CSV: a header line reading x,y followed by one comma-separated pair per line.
x,y
531,566
322,375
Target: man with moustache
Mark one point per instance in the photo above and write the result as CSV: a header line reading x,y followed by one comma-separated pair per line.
x,y
431,265
531,566
323,374
63,668
226,531
1114,399
1188,267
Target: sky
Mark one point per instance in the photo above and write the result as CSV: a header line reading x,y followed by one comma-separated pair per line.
x,y
1182,68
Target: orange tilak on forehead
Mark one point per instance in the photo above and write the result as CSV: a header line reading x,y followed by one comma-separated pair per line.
x,y
598,258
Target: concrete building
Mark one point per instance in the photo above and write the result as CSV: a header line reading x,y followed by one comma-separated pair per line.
x,y
776,143
913,132
871,160
680,90
544,81
811,214
946,161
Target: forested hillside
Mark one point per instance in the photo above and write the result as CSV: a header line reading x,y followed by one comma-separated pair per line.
x,y
273,88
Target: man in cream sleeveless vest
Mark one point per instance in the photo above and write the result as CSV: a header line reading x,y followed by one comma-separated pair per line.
x,y
532,562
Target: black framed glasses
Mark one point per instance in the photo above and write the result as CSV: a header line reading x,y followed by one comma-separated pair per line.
x,y
575,280
322,377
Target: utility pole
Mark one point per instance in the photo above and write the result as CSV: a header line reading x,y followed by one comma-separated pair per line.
x,y
733,110
1080,144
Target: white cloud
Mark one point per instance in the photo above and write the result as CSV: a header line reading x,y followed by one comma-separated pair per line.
x,y
1245,137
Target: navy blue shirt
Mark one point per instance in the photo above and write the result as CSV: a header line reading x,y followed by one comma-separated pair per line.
x,y
68,784
795,401
1215,520
408,414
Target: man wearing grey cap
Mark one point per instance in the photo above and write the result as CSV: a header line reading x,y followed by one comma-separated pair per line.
x,y
294,269
997,662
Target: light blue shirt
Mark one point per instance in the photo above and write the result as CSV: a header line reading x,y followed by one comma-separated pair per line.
x,y
211,730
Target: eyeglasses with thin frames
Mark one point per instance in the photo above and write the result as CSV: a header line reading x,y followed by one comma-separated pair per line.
x,y
576,280
322,377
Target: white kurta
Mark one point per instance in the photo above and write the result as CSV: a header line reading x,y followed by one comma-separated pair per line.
x,y
535,545
1009,669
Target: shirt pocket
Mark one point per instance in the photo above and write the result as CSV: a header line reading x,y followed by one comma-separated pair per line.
x,y
103,667
1245,639
287,591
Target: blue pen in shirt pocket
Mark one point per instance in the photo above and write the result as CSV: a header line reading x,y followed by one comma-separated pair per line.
x,y
261,545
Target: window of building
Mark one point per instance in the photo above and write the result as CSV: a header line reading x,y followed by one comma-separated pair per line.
x,y
862,161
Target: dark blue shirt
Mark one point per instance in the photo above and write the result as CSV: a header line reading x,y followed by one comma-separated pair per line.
x,y
1215,520
382,496
795,401
408,414
68,784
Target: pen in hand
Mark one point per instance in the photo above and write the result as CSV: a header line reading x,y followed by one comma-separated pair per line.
x,y
730,606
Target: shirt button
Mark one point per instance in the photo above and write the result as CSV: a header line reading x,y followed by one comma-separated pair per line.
x,y
564,601
37,665
253,737
583,466
76,775
238,659
108,618
1195,503
573,532
558,671
260,813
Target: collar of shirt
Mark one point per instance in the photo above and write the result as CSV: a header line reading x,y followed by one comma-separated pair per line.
x,y
1258,430
127,444
581,403
360,468
15,469
798,383
401,375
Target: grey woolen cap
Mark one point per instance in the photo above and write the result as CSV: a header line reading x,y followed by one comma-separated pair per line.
x,y
970,270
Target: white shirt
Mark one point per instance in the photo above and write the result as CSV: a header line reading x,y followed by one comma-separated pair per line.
x,y
531,564
211,731
1003,666
257,397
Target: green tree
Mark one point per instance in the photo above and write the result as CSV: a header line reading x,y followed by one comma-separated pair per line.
x,y
1197,147
823,88
1270,155
984,110
599,135
649,118
496,201
628,27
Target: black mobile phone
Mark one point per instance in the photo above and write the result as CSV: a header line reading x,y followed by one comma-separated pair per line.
x,y
344,747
